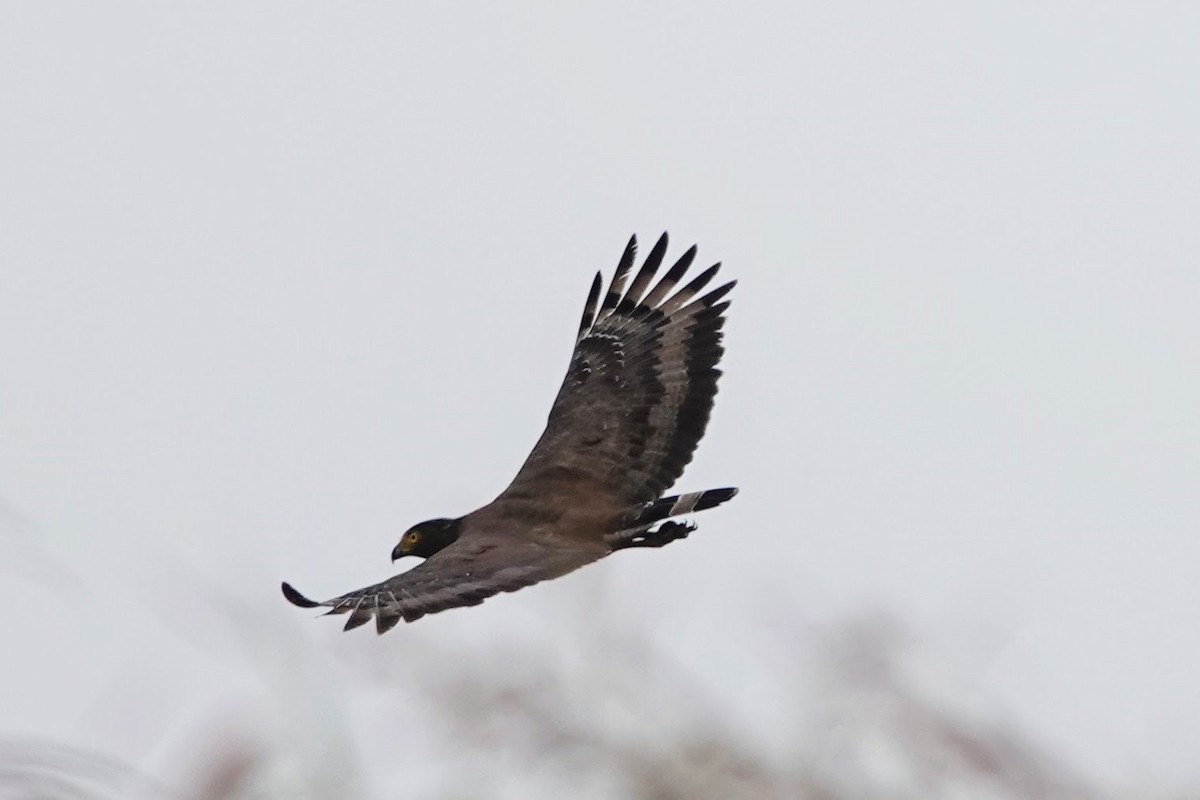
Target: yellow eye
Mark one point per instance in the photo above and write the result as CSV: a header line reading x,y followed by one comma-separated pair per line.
x,y
411,537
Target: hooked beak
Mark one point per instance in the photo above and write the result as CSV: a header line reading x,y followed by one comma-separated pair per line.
x,y
397,553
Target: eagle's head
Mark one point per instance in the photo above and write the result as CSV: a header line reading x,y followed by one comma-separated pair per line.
x,y
426,538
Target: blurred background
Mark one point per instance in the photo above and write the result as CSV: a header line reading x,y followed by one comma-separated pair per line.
x,y
278,280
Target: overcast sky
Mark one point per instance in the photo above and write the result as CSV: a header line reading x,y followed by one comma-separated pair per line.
x,y
278,280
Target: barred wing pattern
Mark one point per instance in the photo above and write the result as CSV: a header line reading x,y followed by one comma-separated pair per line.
x,y
640,386
464,574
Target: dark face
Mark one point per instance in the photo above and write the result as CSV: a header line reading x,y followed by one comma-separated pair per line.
x,y
426,538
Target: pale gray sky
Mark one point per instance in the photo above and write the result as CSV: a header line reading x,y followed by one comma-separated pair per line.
x,y
279,279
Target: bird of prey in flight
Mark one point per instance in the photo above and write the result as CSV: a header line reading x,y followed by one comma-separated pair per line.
x,y
630,412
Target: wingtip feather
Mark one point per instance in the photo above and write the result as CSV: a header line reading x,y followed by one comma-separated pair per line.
x,y
633,294
297,599
385,621
359,617
629,255
671,279
589,307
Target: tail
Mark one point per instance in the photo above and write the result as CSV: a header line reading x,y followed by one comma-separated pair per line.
x,y
681,504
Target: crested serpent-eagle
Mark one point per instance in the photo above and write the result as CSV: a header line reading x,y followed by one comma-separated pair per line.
x,y
631,410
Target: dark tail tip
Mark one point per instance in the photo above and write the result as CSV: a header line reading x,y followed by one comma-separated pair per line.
x,y
297,599
714,497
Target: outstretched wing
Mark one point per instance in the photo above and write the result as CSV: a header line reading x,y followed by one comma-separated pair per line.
x,y
463,574
640,386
